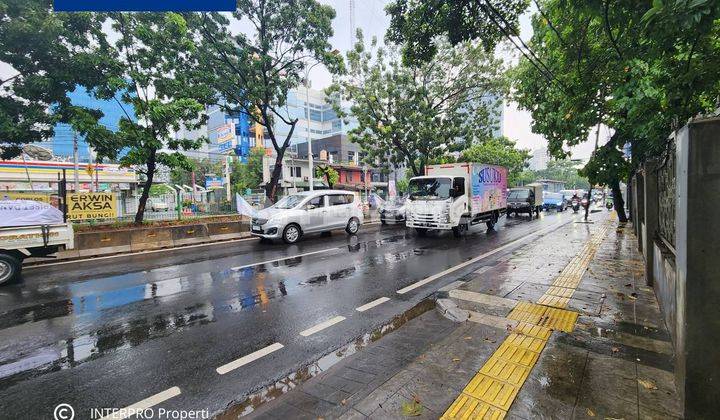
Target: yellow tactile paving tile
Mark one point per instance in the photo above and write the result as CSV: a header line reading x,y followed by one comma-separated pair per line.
x,y
533,330
503,370
560,291
466,407
492,391
559,319
527,312
554,301
525,342
566,282
515,354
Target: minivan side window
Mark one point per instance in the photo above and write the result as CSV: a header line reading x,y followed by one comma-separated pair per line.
x,y
338,200
349,198
316,202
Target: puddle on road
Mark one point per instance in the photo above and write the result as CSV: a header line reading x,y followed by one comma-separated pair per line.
x,y
268,393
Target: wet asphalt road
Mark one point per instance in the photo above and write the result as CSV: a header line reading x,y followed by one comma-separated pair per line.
x,y
112,332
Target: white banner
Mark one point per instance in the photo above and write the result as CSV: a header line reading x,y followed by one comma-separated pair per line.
x,y
243,207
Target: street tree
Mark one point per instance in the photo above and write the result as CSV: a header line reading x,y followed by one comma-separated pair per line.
x,y
421,25
412,114
49,54
248,175
498,151
253,72
638,69
328,173
150,55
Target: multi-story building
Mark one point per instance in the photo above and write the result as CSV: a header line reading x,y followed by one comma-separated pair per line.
x,y
539,160
61,144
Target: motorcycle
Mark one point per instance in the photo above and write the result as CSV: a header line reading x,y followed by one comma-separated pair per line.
x,y
585,203
575,205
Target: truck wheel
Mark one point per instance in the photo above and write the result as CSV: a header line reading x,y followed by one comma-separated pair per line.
x,y
459,230
421,231
10,268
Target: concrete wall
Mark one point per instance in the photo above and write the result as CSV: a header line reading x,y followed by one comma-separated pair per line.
x,y
88,244
686,276
697,224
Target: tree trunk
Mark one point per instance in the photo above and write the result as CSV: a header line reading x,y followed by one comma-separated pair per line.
x,y
272,186
146,189
618,201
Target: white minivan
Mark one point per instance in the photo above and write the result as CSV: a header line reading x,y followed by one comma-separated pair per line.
x,y
308,212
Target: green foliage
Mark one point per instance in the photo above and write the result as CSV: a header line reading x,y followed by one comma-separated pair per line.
x,y
409,115
248,175
49,54
160,189
200,167
328,173
557,170
253,72
149,59
402,185
419,24
498,151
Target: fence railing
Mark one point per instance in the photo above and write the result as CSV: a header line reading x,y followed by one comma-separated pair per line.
x,y
667,193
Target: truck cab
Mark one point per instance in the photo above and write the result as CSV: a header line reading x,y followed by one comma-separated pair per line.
x,y
455,196
436,202
527,199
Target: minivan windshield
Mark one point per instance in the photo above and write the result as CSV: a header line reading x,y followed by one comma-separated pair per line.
x,y
288,202
429,188
518,194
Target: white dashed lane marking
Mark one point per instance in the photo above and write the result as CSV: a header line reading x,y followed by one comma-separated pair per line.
x,y
144,404
372,304
321,326
249,358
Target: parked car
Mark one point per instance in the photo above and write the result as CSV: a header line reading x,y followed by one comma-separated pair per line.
x,y
393,211
527,199
308,212
157,205
554,201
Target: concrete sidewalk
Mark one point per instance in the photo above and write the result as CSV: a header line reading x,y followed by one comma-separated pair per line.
x,y
560,328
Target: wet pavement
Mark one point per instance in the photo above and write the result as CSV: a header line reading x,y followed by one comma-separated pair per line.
x,y
617,361
114,331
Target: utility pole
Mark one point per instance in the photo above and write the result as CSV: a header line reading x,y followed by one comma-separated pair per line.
x,y
227,178
307,121
75,161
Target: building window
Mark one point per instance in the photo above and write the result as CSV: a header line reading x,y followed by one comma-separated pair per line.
x,y
351,156
296,171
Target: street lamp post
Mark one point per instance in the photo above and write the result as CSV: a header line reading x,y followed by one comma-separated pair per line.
x,y
307,121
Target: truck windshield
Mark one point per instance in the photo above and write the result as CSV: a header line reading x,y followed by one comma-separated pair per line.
x,y
519,194
429,188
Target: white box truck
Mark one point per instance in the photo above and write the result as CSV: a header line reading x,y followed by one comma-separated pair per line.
x,y
456,195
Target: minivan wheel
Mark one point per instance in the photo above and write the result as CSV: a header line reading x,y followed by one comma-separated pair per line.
x,y
291,233
353,226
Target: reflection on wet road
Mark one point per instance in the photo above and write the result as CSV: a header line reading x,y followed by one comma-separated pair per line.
x,y
157,319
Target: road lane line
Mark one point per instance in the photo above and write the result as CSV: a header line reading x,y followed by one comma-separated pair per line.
x,y
473,260
248,358
284,258
372,304
139,406
321,326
